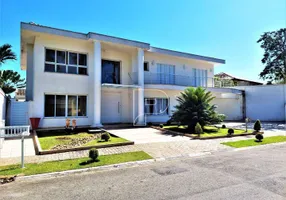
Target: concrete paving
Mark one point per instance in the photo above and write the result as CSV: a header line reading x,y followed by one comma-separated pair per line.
x,y
258,173
146,135
11,148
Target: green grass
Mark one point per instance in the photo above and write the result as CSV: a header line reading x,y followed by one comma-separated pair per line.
x,y
57,166
48,142
209,131
252,142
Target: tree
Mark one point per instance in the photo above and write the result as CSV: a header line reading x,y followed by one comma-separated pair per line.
x,y
6,53
274,58
10,80
194,107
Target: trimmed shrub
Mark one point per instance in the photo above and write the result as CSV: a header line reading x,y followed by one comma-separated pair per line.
x,y
168,123
223,126
257,125
105,136
210,129
198,129
93,154
230,132
149,123
259,137
161,125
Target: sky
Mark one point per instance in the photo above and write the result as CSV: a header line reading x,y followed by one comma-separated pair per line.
x,y
226,29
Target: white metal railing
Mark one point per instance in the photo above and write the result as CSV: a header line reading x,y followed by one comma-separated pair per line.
x,y
14,131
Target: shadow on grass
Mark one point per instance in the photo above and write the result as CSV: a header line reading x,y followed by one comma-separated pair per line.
x,y
258,141
89,162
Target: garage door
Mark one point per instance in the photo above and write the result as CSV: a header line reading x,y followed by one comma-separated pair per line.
x,y
111,107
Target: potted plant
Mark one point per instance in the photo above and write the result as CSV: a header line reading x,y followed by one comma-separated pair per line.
x,y
35,122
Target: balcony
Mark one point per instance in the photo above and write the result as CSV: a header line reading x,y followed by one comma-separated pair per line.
x,y
181,80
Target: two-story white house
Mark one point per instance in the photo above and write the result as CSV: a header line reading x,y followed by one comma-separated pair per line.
x,y
99,79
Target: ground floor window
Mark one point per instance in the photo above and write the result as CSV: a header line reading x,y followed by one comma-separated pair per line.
x,y
156,106
65,105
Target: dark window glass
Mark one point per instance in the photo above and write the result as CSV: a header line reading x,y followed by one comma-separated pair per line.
x,y
61,68
72,106
60,105
72,70
82,106
72,58
110,72
61,57
49,105
82,59
82,70
50,55
49,68
146,66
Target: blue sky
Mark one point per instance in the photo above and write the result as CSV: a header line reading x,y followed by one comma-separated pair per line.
x,y
226,29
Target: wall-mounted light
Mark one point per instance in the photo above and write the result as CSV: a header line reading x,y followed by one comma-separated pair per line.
x,y
184,67
211,70
153,62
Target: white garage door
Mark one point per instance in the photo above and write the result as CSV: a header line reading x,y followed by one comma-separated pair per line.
x,y
111,108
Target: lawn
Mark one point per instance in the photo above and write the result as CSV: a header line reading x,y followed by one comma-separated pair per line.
x,y
253,142
80,139
209,131
57,166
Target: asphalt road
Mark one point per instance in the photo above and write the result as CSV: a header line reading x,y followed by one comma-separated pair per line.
x,y
258,174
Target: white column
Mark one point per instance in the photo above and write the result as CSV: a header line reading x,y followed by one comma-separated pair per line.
x,y
140,64
97,84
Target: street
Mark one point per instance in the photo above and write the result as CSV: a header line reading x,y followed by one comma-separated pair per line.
x,y
258,173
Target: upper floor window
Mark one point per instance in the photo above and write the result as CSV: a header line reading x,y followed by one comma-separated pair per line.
x,y
146,66
65,62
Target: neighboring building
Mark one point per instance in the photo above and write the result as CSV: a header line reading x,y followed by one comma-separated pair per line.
x,y
20,94
99,79
229,80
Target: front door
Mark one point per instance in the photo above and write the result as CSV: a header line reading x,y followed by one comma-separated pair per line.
x,y
111,107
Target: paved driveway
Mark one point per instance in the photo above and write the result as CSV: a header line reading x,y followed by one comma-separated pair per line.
x,y
146,135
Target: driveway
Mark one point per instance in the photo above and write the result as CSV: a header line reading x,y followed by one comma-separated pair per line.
x,y
146,135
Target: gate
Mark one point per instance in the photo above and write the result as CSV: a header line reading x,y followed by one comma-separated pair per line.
x,y
18,113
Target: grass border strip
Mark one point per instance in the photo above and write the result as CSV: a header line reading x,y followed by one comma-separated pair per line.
x,y
39,150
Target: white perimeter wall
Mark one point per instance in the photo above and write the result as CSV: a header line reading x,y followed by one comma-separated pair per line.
x,y
266,102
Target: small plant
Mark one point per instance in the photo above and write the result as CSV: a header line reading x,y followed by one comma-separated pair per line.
x,y
198,129
105,136
259,137
223,126
93,154
161,125
168,122
257,125
149,123
230,132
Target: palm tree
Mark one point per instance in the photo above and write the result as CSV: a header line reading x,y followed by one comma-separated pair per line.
x,y
6,53
194,106
10,80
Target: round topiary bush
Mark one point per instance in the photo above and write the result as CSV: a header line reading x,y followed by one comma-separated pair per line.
x,y
168,122
161,125
223,126
259,137
149,123
257,125
105,136
230,132
93,154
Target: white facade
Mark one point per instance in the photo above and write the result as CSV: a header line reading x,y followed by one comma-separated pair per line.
x,y
166,74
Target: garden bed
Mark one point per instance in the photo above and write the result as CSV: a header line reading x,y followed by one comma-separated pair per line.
x,y
59,142
210,132
57,166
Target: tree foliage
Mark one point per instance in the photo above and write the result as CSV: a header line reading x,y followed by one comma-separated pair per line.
x,y
274,58
194,106
10,80
6,53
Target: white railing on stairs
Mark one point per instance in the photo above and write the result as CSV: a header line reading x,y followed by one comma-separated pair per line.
x,y
14,131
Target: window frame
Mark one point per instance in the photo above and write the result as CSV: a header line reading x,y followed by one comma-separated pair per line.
x,y
66,64
155,100
66,105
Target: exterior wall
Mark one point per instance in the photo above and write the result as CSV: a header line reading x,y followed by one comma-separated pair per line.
x,y
2,106
29,73
265,102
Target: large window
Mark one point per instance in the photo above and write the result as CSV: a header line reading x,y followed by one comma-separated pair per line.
x,y
65,62
156,106
65,105
110,72
165,74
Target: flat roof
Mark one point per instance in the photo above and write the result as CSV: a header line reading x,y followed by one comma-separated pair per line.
x,y
107,38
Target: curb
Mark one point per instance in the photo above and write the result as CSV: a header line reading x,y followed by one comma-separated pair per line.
x,y
259,146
